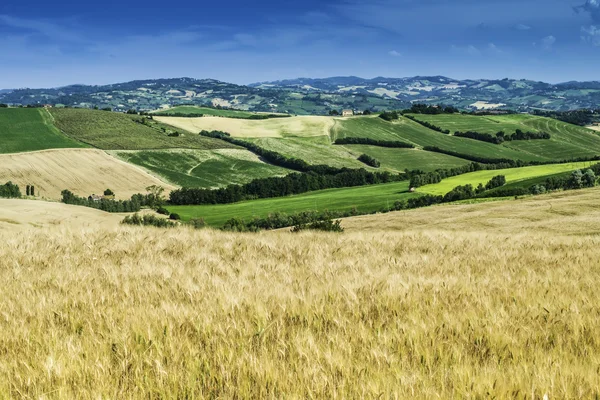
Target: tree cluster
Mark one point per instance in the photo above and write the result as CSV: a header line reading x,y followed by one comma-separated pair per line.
x,y
501,137
148,220
10,190
280,186
112,206
577,117
389,115
370,161
432,110
372,142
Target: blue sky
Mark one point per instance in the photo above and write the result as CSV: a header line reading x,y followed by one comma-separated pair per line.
x,y
47,44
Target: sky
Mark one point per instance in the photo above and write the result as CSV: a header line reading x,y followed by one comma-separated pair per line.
x,y
50,44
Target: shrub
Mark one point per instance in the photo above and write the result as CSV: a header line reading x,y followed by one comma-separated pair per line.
x,y
367,159
389,115
197,223
148,220
163,211
10,190
174,217
109,192
326,225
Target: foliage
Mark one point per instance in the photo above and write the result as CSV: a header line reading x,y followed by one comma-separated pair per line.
x,y
327,225
370,161
109,192
389,115
428,109
373,142
148,220
10,190
112,206
428,124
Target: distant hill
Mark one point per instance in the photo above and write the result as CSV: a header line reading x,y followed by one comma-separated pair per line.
x,y
522,95
149,95
318,96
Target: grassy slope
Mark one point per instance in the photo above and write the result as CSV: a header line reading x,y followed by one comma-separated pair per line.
x,y
410,131
567,141
365,198
203,168
512,175
115,131
397,160
191,110
30,129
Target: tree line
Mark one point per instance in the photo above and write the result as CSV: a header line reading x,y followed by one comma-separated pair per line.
x,y
10,190
576,117
373,142
501,137
428,125
432,110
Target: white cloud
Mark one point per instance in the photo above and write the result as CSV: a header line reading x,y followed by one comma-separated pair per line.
x,y
591,34
394,53
522,27
548,42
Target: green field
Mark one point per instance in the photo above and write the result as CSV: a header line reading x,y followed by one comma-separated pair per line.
x,y
202,168
409,131
314,150
512,175
195,110
30,129
364,198
483,124
114,131
397,160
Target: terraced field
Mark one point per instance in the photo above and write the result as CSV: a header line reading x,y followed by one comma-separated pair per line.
x,y
304,126
203,168
30,129
364,198
512,175
115,131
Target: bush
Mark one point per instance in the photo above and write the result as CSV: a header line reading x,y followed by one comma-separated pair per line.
x,y
10,190
197,223
109,192
389,115
327,226
163,211
148,220
174,217
373,142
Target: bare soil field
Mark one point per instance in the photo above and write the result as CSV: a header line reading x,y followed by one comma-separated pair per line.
x,y
302,126
82,171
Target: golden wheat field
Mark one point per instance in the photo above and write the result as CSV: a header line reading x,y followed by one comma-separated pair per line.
x,y
121,312
82,171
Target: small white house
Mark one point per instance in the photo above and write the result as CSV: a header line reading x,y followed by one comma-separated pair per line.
x,y
347,113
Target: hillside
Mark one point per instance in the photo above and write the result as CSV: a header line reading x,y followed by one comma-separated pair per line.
x,y
82,171
317,96
286,314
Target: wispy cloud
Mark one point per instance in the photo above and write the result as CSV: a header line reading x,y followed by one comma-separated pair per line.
x,y
394,53
591,34
548,42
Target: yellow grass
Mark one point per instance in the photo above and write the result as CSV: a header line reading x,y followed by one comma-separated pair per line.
x,y
303,126
595,127
434,312
82,171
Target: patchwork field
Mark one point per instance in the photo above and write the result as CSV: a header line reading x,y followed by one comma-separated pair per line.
x,y
512,175
365,198
30,129
203,168
116,131
304,126
484,124
472,301
82,171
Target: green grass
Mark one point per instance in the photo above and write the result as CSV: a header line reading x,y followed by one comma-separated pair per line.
x,y
483,124
115,131
203,168
364,198
409,131
194,110
512,175
314,150
397,160
30,129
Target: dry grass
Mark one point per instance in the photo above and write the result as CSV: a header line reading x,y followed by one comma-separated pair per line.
x,y
82,171
493,311
303,126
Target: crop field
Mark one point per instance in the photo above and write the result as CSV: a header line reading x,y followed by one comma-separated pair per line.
x,y
314,150
409,131
397,160
364,198
30,129
82,171
304,126
195,110
473,301
512,175
203,168
114,131
484,124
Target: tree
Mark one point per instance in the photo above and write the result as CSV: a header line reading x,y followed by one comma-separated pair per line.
x,y
27,190
575,180
589,178
32,190
334,112
155,196
109,192
367,112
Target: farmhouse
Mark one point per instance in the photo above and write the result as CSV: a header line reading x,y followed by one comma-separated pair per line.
x,y
96,197
347,113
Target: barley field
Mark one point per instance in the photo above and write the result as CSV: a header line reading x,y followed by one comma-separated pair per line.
x,y
387,312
